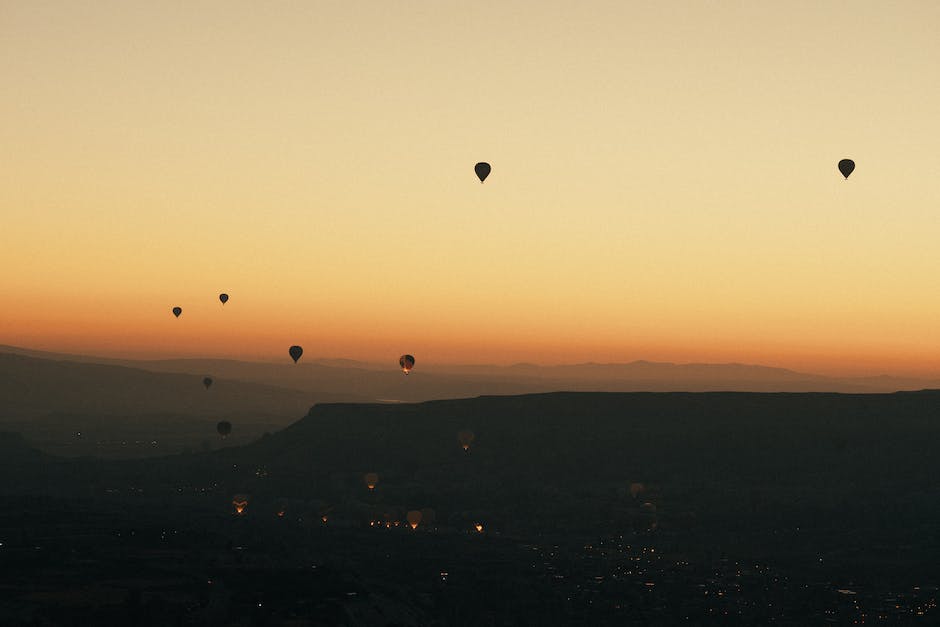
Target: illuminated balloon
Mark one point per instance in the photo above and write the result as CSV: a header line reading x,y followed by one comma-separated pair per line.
x,y
207,382
240,503
414,518
223,298
224,428
371,480
465,437
478,527
177,311
295,353
846,167
407,362
483,170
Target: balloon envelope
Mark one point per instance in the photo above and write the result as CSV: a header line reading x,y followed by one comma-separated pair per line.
x,y
223,298
846,166
407,362
483,170
295,353
207,382
240,502
465,437
177,311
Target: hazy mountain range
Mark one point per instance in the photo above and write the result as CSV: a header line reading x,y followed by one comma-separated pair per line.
x,y
330,380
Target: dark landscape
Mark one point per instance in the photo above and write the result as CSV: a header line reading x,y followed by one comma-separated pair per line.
x,y
713,508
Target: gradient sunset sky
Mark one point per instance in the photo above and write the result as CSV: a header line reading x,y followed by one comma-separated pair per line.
x,y
664,181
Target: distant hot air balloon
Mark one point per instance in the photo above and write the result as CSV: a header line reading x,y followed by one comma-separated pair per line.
x,y
240,503
407,362
478,527
207,382
428,516
483,170
846,167
414,518
224,428
177,311
647,518
223,298
465,437
636,488
371,480
295,353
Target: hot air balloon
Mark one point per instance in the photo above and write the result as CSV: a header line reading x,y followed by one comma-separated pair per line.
x,y
478,527
207,382
295,353
224,428
846,167
636,488
647,519
407,362
414,518
483,170
240,503
177,311
465,437
428,516
223,298
371,480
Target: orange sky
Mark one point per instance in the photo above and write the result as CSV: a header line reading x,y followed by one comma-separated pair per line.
x,y
664,181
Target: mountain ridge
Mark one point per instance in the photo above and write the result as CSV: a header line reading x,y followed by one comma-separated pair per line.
x,y
354,380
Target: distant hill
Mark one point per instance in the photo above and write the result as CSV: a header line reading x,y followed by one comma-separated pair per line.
x,y
337,380
571,457
610,437
32,387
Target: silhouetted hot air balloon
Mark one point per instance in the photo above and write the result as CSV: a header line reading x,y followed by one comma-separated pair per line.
x,y
177,311
428,516
407,362
223,298
224,428
414,518
371,480
483,170
465,437
846,167
207,382
295,353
